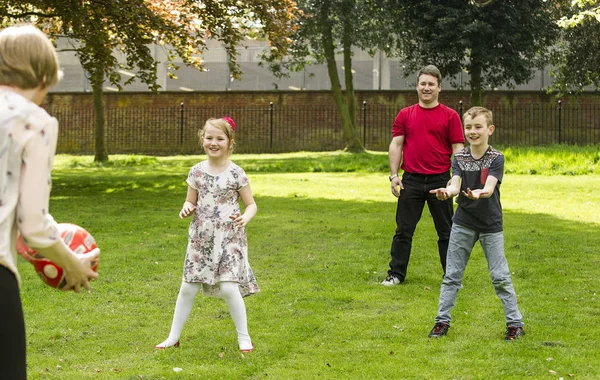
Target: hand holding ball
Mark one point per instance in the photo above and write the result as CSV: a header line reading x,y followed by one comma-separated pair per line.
x,y
76,238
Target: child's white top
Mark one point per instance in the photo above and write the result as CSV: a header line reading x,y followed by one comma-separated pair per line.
x,y
27,145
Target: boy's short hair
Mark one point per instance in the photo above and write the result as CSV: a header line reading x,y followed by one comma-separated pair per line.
x,y
431,70
473,112
27,58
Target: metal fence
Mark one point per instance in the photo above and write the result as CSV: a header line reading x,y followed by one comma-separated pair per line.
x,y
278,129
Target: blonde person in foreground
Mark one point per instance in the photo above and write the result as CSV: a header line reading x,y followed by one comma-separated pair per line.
x,y
477,173
28,68
216,259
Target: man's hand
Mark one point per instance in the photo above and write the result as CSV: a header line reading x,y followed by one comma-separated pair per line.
x,y
397,183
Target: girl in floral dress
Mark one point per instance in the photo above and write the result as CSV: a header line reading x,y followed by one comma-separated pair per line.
x,y
216,260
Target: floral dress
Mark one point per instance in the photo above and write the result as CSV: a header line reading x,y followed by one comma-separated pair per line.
x,y
217,250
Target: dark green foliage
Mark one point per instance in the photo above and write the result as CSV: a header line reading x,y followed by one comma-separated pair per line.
x,y
578,55
328,28
99,32
500,44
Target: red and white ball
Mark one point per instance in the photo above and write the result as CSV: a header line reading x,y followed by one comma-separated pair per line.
x,y
75,237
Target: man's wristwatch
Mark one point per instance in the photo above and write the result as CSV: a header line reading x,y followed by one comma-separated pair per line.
x,y
393,176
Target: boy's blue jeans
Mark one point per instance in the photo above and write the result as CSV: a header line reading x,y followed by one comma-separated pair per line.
x,y
462,241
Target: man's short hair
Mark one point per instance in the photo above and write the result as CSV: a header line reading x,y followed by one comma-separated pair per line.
x,y
27,58
431,70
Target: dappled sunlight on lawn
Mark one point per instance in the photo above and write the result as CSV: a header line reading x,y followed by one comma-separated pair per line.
x,y
357,187
565,197
522,193
319,246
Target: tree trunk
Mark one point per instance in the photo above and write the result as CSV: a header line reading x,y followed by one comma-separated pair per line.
x,y
353,143
100,120
476,91
347,113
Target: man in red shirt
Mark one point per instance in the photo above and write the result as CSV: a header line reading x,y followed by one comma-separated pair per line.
x,y
424,137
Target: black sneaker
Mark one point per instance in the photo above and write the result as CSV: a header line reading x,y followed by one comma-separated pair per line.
x,y
513,333
439,330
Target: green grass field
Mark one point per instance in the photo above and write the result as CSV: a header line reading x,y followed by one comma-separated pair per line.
x,y
319,247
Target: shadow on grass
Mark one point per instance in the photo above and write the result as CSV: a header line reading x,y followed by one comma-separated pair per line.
x,y
319,263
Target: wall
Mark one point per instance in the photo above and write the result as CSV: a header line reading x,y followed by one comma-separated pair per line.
x,y
304,120
237,99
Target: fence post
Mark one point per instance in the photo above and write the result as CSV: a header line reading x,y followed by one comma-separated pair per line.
x,y
364,109
181,123
460,108
271,109
559,108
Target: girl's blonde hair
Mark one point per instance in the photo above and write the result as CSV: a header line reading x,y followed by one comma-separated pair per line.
x,y
222,125
27,58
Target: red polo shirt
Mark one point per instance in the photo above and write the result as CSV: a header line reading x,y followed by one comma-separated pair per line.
x,y
428,137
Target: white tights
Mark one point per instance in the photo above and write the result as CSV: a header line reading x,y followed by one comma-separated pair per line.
x,y
230,292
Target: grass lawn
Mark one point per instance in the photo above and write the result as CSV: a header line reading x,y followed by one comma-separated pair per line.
x,y
319,247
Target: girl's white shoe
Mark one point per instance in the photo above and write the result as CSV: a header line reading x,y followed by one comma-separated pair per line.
x,y
166,344
247,347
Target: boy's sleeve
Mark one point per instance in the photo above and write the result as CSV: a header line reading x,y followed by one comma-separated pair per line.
x,y
497,167
455,167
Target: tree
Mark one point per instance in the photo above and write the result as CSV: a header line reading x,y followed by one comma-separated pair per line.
x,y
499,44
577,63
99,30
326,27
582,11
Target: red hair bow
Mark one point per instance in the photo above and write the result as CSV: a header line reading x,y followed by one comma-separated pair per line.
x,y
230,121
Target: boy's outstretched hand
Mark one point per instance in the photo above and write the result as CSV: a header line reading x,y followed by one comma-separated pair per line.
x,y
475,194
442,193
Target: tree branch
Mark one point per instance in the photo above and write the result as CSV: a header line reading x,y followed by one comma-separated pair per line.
x,y
27,14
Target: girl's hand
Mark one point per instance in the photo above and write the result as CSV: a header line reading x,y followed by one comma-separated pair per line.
x,y
78,271
239,220
475,194
187,210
